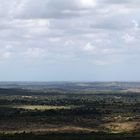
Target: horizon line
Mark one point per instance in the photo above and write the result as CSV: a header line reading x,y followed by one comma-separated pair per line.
x,y
69,81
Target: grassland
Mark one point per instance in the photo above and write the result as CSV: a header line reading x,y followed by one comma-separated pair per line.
x,y
36,107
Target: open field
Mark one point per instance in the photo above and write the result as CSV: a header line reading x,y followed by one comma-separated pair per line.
x,y
70,110
36,107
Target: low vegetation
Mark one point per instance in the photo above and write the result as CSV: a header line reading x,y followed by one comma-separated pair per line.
x,y
72,112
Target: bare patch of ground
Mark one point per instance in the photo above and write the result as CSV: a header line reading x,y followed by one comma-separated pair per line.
x,y
122,127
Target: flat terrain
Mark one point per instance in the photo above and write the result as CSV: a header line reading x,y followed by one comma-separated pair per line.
x,y
70,111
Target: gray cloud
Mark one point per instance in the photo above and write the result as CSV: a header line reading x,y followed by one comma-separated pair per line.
x,y
52,9
115,1
117,22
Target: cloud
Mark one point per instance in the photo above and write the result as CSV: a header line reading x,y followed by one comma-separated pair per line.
x,y
116,1
5,55
114,23
52,9
35,53
101,50
128,38
89,47
70,32
129,3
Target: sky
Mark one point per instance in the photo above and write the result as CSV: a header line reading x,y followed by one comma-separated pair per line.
x,y
69,40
